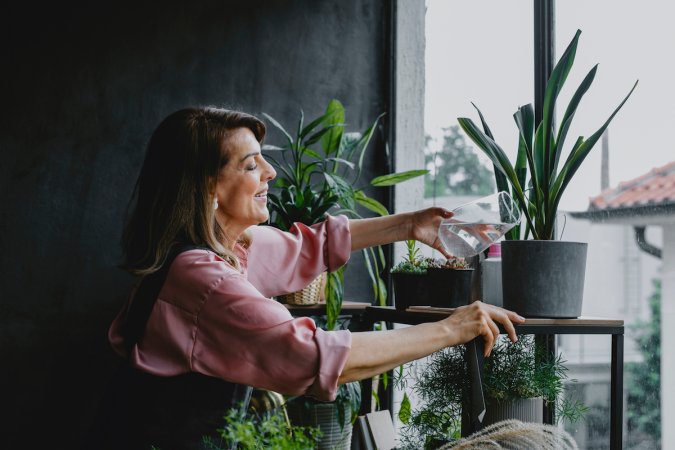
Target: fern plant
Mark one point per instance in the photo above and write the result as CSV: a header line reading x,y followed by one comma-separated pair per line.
x,y
513,371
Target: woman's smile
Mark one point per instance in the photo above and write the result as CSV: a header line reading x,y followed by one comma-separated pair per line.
x,y
242,185
262,195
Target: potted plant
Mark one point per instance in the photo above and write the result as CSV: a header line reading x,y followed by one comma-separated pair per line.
x,y
271,430
542,276
408,277
319,171
425,281
449,282
517,380
334,419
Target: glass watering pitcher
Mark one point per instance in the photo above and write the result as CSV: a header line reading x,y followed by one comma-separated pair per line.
x,y
478,224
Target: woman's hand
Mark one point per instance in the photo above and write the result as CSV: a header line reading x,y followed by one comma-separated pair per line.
x,y
424,227
480,319
375,352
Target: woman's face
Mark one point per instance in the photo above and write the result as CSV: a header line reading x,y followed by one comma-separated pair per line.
x,y
242,184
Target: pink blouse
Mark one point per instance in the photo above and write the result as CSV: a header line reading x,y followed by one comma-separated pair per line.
x,y
212,319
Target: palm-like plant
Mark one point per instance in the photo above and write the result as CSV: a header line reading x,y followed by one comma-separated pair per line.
x,y
540,149
314,181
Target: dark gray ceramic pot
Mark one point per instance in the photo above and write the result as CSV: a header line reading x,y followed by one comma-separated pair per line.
x,y
524,409
544,278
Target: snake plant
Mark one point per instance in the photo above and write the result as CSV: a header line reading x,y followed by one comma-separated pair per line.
x,y
540,149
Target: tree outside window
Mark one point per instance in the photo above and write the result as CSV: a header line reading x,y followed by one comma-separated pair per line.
x,y
455,169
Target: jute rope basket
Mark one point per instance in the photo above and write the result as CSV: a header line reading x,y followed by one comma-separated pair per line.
x,y
515,435
310,295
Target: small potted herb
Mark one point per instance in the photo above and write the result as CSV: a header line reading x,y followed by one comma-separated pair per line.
x,y
409,278
449,282
425,281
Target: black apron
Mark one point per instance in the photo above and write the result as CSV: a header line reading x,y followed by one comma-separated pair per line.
x,y
140,410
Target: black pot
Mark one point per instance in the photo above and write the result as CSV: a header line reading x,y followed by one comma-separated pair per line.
x,y
444,288
544,278
449,288
409,289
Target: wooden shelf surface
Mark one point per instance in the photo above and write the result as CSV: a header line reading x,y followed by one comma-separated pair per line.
x,y
421,314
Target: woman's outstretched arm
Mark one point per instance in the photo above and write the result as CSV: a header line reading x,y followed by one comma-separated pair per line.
x,y
376,352
420,225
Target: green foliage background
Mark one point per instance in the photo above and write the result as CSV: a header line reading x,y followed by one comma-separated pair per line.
x,y
455,169
643,409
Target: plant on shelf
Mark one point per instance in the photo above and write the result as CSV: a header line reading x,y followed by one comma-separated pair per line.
x,y
319,172
452,263
272,430
426,281
409,278
449,281
540,149
412,262
537,182
513,373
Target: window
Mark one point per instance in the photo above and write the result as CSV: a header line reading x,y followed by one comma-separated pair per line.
x,y
482,52
621,279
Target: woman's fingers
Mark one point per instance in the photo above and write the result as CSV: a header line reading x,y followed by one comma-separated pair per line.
x,y
482,231
486,320
508,324
425,225
490,338
506,318
438,246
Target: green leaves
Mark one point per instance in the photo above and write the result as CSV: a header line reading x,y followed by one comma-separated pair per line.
x,y
348,400
404,412
292,205
334,295
540,149
318,172
248,431
395,178
335,114
370,203
280,128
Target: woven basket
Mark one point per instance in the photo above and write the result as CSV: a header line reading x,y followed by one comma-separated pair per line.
x,y
310,295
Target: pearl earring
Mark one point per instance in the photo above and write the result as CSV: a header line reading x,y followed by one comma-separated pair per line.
x,y
215,202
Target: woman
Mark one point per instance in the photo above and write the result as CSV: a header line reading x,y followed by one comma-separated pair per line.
x,y
204,183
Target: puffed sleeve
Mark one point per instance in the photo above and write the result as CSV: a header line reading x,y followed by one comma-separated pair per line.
x,y
282,262
246,338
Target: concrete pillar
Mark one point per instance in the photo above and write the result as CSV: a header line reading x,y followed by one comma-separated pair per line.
x,y
408,67
667,327
409,104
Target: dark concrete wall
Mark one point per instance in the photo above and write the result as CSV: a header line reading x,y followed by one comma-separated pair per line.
x,y
83,87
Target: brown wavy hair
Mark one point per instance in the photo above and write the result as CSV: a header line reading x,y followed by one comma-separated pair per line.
x,y
172,199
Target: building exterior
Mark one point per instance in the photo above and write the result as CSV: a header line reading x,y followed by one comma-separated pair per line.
x,y
630,229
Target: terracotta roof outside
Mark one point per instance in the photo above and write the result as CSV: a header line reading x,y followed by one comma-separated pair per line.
x,y
654,188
